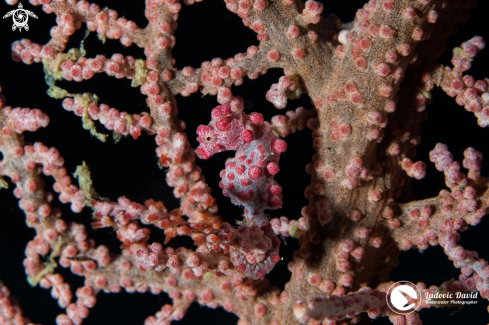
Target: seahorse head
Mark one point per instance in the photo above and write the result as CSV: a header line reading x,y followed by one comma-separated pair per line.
x,y
226,131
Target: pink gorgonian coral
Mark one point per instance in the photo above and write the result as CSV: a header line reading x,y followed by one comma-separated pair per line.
x,y
146,200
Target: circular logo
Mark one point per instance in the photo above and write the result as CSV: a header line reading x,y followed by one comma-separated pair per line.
x,y
403,297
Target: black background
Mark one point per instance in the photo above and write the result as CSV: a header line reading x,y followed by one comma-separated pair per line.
x,y
206,30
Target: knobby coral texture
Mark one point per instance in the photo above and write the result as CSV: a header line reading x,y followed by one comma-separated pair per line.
x,y
260,158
